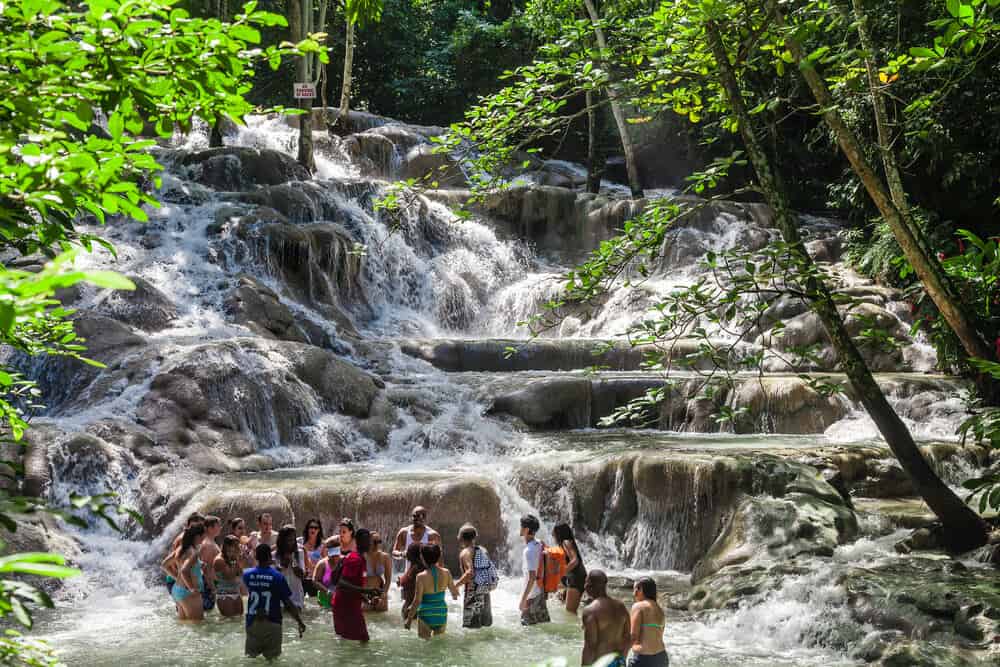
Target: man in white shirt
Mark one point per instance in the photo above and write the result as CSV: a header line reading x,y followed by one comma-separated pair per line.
x,y
533,600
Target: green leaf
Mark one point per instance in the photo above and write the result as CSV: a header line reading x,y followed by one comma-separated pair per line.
x,y
108,280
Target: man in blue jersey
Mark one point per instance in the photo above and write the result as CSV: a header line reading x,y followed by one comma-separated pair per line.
x,y
268,591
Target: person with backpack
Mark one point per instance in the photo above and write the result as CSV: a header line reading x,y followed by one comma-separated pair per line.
x,y
533,606
479,576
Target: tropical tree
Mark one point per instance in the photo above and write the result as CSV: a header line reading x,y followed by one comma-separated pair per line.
x,y
357,13
303,21
137,64
702,56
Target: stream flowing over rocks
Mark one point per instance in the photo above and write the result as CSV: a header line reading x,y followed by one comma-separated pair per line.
x,y
289,349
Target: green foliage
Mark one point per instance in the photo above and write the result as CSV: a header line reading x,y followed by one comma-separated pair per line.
x,y
984,427
143,66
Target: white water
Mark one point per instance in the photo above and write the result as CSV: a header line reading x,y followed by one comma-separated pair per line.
x,y
435,276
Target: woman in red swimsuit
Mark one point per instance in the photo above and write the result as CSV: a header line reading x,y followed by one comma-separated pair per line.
x,y
348,619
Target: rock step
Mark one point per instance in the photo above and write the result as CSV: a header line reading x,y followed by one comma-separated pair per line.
x,y
378,501
499,355
768,403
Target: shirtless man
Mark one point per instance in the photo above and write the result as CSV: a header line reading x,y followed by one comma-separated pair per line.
x,y
207,555
607,628
264,533
417,532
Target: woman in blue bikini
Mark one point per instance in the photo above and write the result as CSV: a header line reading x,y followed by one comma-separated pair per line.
x,y
429,605
184,566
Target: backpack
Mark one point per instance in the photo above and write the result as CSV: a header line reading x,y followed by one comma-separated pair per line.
x,y
551,568
485,571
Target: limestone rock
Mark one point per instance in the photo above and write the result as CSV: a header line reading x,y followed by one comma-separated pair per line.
x,y
786,405
425,164
145,307
236,168
810,517
383,504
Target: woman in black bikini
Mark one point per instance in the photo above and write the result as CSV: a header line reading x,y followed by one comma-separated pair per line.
x,y
576,572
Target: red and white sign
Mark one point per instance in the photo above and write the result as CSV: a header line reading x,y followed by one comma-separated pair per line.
x,y
304,91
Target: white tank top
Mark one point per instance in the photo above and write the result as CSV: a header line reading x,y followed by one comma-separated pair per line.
x,y
424,540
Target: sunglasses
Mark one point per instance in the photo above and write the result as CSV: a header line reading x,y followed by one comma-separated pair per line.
x,y
377,542
312,527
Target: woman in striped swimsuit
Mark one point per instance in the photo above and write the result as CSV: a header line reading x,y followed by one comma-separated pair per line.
x,y
429,605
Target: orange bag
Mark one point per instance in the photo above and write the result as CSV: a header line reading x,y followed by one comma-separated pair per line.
x,y
551,568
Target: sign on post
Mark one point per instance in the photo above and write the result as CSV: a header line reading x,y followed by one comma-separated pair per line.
x,y
304,91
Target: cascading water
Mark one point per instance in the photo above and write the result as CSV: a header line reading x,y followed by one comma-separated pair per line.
x,y
277,343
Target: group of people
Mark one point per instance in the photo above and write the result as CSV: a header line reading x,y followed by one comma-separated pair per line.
x,y
349,574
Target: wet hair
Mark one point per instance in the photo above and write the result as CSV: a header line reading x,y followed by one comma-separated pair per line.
x,y
191,533
362,540
194,518
212,521
347,523
414,555
563,532
531,522
263,554
431,554
319,535
230,542
648,588
286,544
235,522
468,532
260,517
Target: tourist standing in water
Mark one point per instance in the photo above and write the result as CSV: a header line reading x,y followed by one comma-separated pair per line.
x,y
607,628
184,565
533,606
647,627
193,519
290,561
576,572
207,554
238,528
429,605
348,619
229,577
268,591
312,547
408,581
264,533
379,569
417,532
477,572
325,573
346,528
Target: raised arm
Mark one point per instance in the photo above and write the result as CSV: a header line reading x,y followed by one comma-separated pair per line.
x,y
399,546
572,556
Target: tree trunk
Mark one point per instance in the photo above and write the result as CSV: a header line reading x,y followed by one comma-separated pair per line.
x,y
215,135
963,528
345,88
298,26
593,170
635,184
925,265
